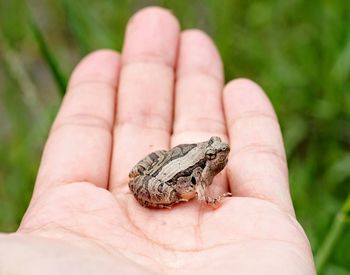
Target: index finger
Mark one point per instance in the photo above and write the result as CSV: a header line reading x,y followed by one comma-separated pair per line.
x,y
80,142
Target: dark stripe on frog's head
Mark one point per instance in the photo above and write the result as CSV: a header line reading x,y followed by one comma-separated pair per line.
x,y
188,172
185,148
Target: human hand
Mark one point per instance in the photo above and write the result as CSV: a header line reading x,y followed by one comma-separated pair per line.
x,y
166,88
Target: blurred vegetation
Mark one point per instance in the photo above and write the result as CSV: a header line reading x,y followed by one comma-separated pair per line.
x,y
299,51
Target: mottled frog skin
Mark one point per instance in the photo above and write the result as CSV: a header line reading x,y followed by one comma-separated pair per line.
x,y
164,178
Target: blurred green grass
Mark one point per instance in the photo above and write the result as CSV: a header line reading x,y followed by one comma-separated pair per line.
x,y
298,51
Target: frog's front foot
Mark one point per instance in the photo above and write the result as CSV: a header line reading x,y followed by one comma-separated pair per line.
x,y
215,202
169,206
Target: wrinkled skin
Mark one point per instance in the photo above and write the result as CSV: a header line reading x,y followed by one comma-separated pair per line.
x,y
83,219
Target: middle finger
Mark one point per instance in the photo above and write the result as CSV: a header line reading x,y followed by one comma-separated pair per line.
x,y
145,99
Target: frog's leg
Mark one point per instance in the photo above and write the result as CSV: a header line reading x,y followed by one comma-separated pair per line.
x,y
169,206
200,190
146,163
151,192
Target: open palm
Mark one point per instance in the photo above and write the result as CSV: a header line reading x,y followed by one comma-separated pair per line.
x,y
166,88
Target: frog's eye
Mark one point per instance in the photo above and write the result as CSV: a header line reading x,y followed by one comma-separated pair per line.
x,y
210,154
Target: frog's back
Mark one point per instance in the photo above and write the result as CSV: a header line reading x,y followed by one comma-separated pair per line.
x,y
180,160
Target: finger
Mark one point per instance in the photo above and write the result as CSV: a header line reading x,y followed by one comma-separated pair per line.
x,y
199,83
257,165
145,100
79,144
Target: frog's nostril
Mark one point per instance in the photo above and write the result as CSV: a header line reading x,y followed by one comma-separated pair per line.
x,y
225,148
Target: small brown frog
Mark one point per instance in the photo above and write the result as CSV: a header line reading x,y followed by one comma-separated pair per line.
x,y
164,178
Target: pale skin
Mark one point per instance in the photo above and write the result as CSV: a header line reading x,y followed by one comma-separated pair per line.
x,y
165,88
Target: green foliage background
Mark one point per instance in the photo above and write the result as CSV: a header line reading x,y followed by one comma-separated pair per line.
x,y
298,51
